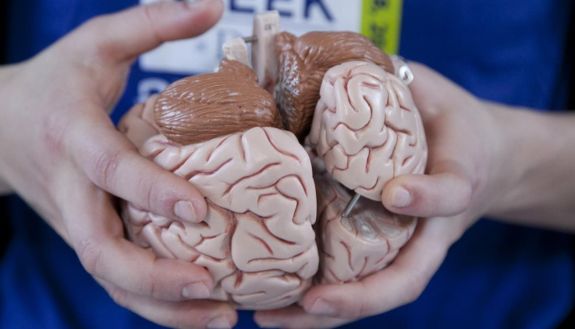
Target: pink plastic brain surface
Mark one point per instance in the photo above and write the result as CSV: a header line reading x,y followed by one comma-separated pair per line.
x,y
257,240
367,128
358,245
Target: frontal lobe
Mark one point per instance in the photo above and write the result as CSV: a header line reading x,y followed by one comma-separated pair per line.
x,y
367,128
257,240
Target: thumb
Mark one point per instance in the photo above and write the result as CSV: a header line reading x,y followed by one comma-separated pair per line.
x,y
445,191
125,35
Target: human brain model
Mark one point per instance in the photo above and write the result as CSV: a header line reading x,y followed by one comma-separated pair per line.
x,y
223,133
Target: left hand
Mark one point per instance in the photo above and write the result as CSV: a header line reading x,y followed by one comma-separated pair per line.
x,y
62,154
465,176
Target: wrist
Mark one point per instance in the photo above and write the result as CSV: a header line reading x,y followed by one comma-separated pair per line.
x,y
515,157
535,166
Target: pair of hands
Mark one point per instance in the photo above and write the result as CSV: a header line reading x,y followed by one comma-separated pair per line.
x,y
56,108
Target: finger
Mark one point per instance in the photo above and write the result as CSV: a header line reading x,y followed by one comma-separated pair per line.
x,y
445,191
295,317
186,314
113,164
399,284
125,35
96,233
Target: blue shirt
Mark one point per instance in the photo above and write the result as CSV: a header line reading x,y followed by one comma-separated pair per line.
x,y
496,276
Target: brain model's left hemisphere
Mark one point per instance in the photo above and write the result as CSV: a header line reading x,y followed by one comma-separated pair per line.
x,y
257,240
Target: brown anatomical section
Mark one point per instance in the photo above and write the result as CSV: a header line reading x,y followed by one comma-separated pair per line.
x,y
199,108
303,62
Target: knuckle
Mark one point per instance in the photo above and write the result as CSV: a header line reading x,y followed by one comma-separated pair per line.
x,y
155,199
157,285
90,256
368,308
96,23
413,294
467,188
91,31
55,128
353,308
150,286
358,310
93,25
198,321
104,168
414,289
161,193
148,14
99,47
119,296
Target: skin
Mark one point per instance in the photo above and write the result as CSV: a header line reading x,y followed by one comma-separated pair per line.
x,y
56,106
481,163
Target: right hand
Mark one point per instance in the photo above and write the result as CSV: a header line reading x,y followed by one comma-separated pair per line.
x,y
62,154
466,174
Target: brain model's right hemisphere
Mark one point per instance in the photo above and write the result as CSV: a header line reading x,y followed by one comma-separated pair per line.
x,y
367,130
223,133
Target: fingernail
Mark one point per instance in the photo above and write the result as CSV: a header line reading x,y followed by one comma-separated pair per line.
x,y
321,307
185,210
221,322
196,290
400,197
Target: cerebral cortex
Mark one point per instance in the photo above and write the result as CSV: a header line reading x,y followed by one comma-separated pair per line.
x,y
257,240
275,223
366,128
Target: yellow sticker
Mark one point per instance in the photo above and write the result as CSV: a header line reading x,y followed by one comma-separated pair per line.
x,y
381,23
